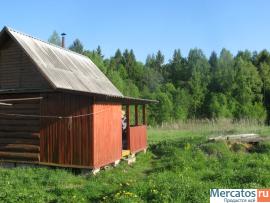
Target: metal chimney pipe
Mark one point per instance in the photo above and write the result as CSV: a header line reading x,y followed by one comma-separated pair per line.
x,y
63,39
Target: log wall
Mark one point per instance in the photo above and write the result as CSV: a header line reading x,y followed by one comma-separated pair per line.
x,y
19,136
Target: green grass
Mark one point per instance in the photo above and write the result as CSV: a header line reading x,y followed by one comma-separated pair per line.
x,y
180,166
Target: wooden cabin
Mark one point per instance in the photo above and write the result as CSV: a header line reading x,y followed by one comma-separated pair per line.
x,y
57,108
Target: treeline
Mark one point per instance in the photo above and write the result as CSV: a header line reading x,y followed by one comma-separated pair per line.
x,y
221,86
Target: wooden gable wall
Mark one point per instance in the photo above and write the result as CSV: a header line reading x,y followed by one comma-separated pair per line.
x,y
17,71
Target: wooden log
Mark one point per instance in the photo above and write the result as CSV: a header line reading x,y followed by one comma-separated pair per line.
x,y
35,102
7,128
5,104
19,148
19,135
20,122
19,141
20,111
19,156
20,106
5,117
21,99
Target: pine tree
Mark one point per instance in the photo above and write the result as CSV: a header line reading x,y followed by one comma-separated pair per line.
x,y
176,69
77,46
99,52
159,60
118,57
55,39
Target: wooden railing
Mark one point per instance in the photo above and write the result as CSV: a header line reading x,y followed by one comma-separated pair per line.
x,y
137,138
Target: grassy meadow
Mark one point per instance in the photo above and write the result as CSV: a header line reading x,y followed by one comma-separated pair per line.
x,y
179,166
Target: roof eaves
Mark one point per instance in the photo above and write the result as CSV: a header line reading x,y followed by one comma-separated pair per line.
x,y
113,98
141,99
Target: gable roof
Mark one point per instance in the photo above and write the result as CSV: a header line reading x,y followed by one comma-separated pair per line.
x,y
64,69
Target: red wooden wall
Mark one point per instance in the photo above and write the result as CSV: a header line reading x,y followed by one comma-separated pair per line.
x,y
88,141
66,141
107,134
137,138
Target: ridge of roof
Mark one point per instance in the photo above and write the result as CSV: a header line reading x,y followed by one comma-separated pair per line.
x,y
43,41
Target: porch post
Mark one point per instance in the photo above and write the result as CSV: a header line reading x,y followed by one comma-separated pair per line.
x,y
144,114
128,126
127,115
136,115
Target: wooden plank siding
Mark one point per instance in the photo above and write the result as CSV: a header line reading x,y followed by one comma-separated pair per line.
x,y
66,141
137,138
19,136
107,134
17,70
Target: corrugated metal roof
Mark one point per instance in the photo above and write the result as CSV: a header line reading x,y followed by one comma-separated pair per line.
x,y
65,69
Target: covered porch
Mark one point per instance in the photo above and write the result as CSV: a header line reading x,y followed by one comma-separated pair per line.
x,y
134,135
136,129
136,125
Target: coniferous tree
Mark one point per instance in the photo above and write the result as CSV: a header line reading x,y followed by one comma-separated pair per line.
x,y
77,46
159,61
150,61
177,69
129,60
99,52
55,39
118,57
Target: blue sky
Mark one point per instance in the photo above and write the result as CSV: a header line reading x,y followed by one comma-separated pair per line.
x,y
146,25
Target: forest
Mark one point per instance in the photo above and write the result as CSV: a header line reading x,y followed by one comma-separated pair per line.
x,y
223,86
